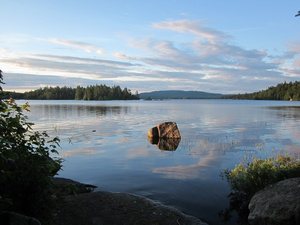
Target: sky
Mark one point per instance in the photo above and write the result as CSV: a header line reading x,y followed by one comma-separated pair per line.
x,y
225,47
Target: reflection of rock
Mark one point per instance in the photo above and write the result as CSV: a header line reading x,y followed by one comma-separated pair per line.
x,y
165,135
153,141
277,204
169,144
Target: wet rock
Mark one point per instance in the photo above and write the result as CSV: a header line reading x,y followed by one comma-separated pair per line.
x,y
277,204
153,133
168,130
12,218
165,135
164,130
118,208
68,186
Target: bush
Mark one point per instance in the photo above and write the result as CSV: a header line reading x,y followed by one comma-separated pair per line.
x,y
247,180
26,168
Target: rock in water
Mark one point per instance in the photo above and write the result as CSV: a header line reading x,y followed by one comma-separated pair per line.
x,y
153,133
164,130
277,204
165,135
168,130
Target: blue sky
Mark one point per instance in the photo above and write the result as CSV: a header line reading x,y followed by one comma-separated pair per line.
x,y
206,45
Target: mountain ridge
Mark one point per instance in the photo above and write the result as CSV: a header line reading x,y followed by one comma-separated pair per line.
x,y
179,94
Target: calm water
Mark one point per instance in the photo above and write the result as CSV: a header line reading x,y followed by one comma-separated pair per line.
x,y
105,144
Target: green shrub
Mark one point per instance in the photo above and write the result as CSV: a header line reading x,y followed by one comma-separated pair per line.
x,y
247,180
26,166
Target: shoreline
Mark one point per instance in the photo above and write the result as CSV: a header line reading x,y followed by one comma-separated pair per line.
x,y
103,207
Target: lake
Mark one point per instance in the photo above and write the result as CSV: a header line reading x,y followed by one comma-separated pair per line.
x,y
105,143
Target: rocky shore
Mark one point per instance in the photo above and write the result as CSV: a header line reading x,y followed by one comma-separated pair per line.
x,y
107,208
118,208
276,204
78,205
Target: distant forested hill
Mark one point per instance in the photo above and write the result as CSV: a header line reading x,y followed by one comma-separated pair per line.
x,y
283,91
179,95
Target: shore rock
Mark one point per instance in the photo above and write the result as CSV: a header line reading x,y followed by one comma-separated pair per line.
x,y
68,186
12,218
118,208
277,204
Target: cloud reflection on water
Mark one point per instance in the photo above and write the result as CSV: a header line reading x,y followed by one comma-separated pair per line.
x,y
81,151
226,125
216,134
190,171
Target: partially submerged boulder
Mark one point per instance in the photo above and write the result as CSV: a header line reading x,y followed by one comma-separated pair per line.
x,y
168,130
164,130
165,135
277,204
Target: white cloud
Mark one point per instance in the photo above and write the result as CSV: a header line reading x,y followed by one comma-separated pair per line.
x,y
123,56
76,44
210,62
296,63
193,27
84,60
294,47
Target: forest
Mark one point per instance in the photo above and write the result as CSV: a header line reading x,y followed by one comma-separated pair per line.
x,y
283,91
92,92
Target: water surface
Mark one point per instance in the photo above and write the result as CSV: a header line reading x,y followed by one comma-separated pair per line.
x,y
105,143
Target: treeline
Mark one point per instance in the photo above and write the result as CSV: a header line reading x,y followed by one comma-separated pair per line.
x,y
93,92
283,91
103,92
51,93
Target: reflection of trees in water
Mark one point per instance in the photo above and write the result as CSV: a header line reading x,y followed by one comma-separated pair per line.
x,y
238,205
104,110
79,110
289,112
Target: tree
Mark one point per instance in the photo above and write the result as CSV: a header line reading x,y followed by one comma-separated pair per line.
x,y
88,93
79,93
26,166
